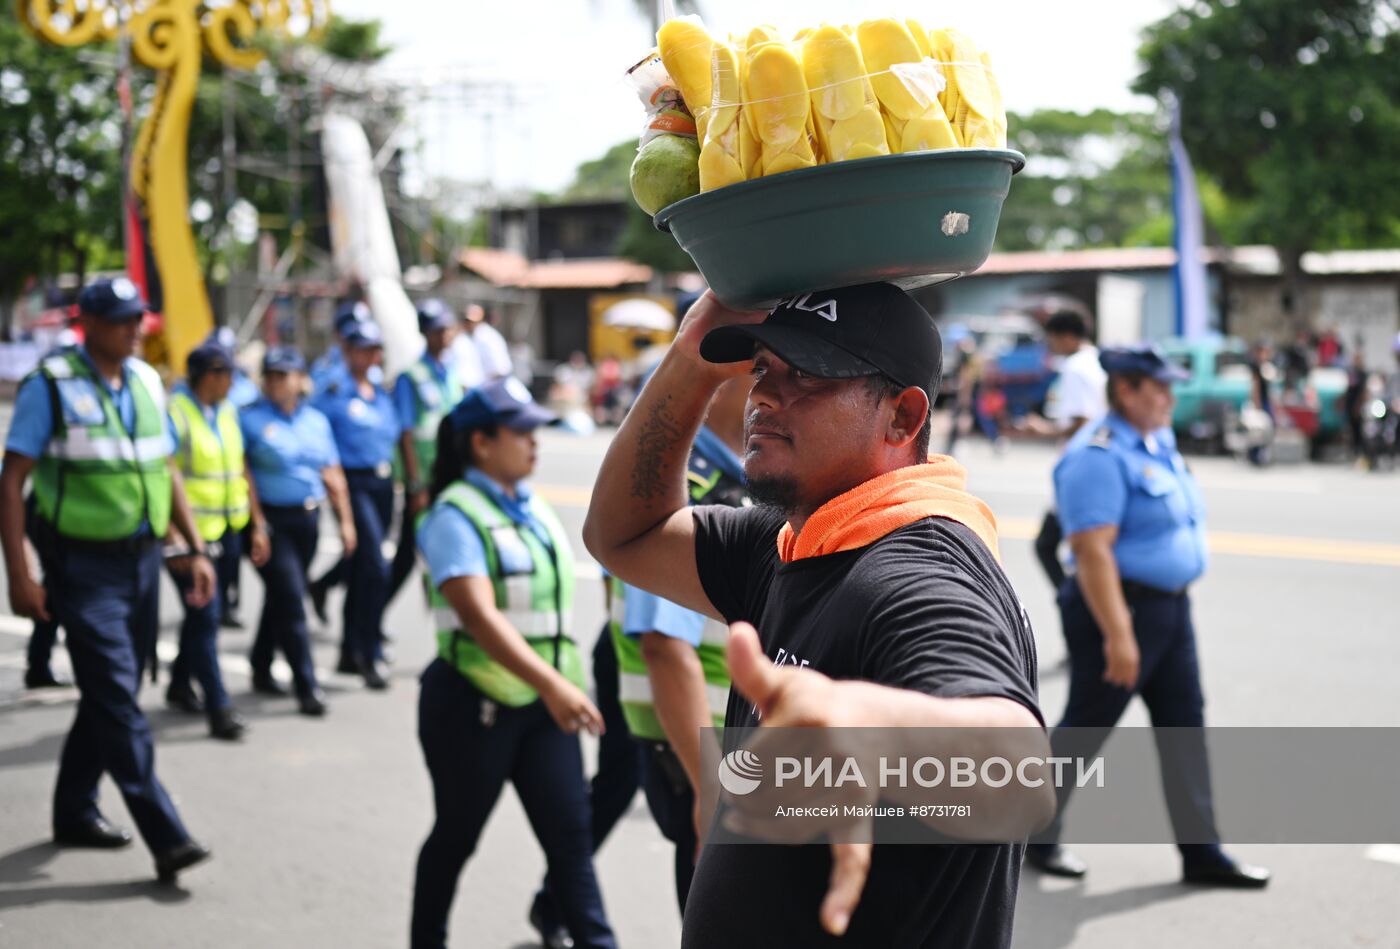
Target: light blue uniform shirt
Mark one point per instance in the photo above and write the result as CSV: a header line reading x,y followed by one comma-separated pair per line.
x,y
31,426
366,430
1111,474
406,393
645,612
450,543
287,452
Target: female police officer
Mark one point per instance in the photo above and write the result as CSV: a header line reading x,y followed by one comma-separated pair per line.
x,y
504,700
366,428
294,464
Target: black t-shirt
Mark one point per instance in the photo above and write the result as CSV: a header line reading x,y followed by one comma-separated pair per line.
x,y
925,608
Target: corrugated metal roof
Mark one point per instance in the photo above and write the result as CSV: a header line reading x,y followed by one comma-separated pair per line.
x,y
1256,260
505,268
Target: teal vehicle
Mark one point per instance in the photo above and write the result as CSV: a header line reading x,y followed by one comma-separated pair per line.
x,y
1208,403
1220,383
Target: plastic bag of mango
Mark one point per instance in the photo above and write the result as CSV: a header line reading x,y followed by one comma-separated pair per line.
x,y
764,104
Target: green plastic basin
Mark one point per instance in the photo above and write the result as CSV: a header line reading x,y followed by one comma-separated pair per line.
x,y
913,220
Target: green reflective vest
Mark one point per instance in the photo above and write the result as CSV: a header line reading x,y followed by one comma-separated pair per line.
x,y
708,484
534,586
97,481
432,399
212,466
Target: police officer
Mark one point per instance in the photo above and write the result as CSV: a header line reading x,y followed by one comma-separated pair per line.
x,y
209,449
90,425
673,680
424,393
295,467
1136,527
330,368
505,698
242,393
366,428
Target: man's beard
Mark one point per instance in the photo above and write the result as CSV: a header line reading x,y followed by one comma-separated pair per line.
x,y
775,492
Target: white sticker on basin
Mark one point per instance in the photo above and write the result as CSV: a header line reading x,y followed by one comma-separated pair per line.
x,y
955,223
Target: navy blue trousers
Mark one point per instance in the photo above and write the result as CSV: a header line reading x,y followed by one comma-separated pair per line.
x,y
1169,681
472,747
292,539
109,606
199,637
367,593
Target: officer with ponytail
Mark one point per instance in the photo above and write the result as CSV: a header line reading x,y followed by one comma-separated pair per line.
x,y
504,700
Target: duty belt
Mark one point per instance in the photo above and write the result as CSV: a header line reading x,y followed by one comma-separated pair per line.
x,y
1132,589
381,471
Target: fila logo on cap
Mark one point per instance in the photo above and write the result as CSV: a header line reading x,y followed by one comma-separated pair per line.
x,y
123,289
826,309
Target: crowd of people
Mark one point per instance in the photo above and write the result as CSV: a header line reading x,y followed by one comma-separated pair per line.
x,y
836,520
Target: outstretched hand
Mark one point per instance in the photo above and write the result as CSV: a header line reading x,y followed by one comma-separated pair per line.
x,y
791,697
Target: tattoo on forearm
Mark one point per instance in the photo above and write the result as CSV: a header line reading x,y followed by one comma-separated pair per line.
x,y
658,438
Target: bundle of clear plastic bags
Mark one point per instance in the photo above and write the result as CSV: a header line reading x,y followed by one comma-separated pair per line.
x,y
764,104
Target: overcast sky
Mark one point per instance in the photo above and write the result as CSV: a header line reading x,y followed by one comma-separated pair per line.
x,y
564,61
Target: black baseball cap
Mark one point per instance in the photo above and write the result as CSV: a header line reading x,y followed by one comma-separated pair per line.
x,y
839,334
115,301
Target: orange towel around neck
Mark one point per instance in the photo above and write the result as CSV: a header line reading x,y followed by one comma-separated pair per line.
x,y
882,505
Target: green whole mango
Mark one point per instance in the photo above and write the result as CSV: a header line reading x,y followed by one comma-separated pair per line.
x,y
666,169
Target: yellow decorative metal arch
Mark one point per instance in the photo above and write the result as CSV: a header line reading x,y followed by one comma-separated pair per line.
x,y
170,37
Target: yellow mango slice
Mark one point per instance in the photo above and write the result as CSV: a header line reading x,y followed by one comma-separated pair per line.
x,y
972,76
685,48
894,133
835,73
865,128
999,117
929,131
750,151
916,30
943,51
862,150
726,92
786,161
760,35
717,168
883,43
777,96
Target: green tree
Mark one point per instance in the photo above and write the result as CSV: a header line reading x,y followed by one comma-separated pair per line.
x,y
273,109
60,160
1091,180
1294,110
607,178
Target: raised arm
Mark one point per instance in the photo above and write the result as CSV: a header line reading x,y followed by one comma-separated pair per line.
x,y
638,526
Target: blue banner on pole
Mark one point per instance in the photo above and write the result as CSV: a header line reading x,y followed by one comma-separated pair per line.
x,y
1189,274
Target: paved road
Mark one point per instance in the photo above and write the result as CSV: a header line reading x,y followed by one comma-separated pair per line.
x,y
316,824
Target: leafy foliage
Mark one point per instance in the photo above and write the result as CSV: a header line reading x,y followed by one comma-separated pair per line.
x,y
607,178
60,160
1293,109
